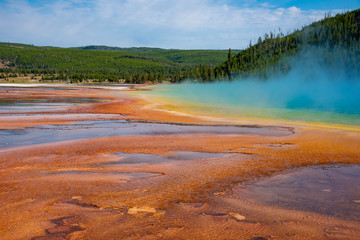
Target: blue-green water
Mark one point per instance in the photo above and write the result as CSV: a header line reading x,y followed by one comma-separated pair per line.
x,y
296,98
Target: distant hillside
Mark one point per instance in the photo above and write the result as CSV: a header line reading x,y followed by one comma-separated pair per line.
x,y
190,57
334,39
103,63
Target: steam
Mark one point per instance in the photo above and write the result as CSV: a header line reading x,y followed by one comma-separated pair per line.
x,y
313,90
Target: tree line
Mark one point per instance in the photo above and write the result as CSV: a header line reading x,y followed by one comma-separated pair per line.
x,y
128,65
337,39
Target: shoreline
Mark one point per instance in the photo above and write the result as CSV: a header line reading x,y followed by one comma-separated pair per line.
x,y
164,104
69,85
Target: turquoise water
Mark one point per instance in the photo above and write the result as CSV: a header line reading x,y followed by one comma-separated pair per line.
x,y
296,98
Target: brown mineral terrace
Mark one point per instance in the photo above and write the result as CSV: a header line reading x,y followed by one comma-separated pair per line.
x,y
180,185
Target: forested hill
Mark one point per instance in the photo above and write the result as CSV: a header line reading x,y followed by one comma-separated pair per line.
x,y
102,63
190,57
336,40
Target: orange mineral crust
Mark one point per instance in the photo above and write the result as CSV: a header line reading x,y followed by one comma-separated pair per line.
x,y
165,186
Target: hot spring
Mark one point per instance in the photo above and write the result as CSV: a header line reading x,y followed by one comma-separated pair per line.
x,y
297,96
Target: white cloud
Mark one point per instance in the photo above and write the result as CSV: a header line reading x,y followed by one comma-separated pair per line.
x,y
160,23
267,5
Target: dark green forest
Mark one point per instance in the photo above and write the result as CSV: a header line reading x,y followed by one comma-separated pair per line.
x,y
335,40
101,63
187,57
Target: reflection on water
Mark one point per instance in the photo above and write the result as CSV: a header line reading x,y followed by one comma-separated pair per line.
x,y
108,128
17,99
329,190
9,105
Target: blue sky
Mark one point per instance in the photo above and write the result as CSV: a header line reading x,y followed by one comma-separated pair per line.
x,y
181,24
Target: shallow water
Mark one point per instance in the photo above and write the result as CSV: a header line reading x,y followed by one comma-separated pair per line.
x,y
42,99
8,105
20,107
332,190
108,128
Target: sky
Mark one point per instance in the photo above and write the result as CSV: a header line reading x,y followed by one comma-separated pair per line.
x,y
176,24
